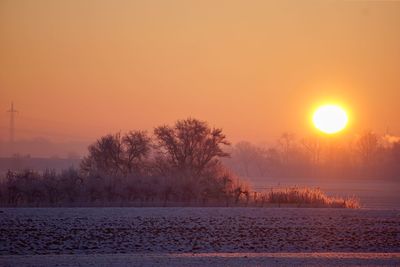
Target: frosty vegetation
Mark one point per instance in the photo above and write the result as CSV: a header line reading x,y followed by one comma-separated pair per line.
x,y
178,163
182,163
365,156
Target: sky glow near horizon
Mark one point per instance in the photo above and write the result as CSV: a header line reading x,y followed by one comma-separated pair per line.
x,y
79,69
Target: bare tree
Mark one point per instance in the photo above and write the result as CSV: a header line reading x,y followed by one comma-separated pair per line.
x,y
313,149
116,155
190,145
286,144
105,156
70,184
367,146
50,184
250,160
244,152
137,146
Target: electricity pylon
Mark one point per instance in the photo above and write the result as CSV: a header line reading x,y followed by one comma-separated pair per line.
x,y
12,112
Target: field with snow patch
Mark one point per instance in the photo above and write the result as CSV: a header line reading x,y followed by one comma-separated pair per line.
x,y
191,236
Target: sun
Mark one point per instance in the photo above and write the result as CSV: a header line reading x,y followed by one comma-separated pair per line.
x,y
330,119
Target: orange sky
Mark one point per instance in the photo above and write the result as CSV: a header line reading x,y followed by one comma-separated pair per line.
x,y
78,69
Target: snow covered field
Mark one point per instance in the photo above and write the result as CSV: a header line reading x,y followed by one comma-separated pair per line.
x,y
198,236
212,259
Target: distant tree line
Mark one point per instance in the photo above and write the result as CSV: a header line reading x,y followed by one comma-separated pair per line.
x,y
177,163
367,155
190,162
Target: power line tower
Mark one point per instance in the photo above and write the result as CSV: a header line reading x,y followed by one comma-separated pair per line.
x,y
12,112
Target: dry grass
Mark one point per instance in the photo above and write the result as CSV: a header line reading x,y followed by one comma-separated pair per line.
x,y
309,196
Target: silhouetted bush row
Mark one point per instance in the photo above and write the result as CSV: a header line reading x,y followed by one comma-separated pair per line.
x,y
29,187
69,188
179,163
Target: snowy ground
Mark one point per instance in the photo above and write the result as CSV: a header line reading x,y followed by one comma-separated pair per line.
x,y
198,236
214,259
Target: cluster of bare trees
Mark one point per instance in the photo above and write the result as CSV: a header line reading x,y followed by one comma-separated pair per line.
x,y
366,155
177,163
189,162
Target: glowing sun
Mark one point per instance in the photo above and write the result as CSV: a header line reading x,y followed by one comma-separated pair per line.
x,y
330,119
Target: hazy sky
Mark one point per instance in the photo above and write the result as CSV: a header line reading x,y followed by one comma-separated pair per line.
x,y
79,69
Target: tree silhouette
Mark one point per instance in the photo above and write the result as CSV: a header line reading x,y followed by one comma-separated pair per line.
x,y
367,146
190,145
116,155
